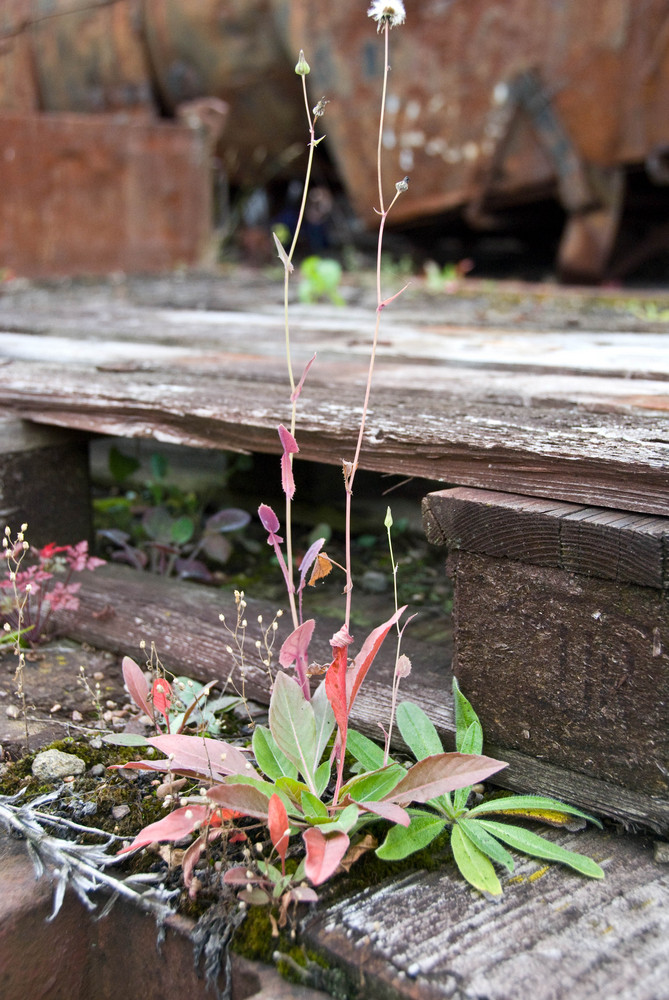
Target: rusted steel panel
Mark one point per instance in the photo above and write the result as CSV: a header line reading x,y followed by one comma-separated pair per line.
x,y
89,56
604,67
18,86
231,50
83,194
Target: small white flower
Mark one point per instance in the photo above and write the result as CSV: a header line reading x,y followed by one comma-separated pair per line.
x,y
390,12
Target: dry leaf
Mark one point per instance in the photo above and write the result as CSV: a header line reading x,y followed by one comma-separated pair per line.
x,y
322,567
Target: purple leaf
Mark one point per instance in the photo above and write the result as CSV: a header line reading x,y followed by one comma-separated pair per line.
x,y
137,685
387,810
242,798
309,558
440,773
298,389
289,445
230,519
209,758
270,522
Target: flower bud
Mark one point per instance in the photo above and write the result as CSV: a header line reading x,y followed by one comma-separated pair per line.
x,y
302,67
402,185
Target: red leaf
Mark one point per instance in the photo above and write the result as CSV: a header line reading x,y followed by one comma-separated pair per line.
x,y
137,685
335,689
161,694
365,657
175,826
296,646
440,773
278,826
323,854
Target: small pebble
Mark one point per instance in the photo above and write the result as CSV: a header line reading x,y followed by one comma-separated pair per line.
x,y
97,770
661,852
50,765
77,716
12,712
96,743
120,811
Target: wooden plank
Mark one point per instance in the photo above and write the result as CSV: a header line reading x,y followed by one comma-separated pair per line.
x,y
120,608
613,545
571,669
552,936
576,455
578,416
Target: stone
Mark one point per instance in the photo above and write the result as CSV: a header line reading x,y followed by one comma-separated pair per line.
x,y
50,765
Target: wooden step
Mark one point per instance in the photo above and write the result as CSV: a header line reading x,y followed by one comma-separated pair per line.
x,y
121,607
561,632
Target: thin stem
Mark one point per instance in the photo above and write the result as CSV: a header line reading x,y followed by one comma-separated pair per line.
x,y
350,470
289,362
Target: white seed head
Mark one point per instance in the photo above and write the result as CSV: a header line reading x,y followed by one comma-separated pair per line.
x,y
390,12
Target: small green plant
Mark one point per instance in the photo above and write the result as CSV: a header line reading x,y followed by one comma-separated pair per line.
x,y
477,842
320,278
170,547
162,530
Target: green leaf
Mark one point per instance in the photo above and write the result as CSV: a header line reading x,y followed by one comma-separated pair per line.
x,y
373,785
465,716
486,843
322,777
341,822
402,841
122,466
324,719
538,847
532,807
471,743
474,866
417,730
159,465
182,530
125,740
270,759
313,808
292,790
365,751
293,726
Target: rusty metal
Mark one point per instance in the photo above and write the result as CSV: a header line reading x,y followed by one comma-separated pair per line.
x,y
85,194
491,103
18,86
89,56
231,50
604,71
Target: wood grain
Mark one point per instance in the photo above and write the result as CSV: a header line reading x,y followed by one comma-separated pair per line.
x,y
552,936
613,545
575,416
